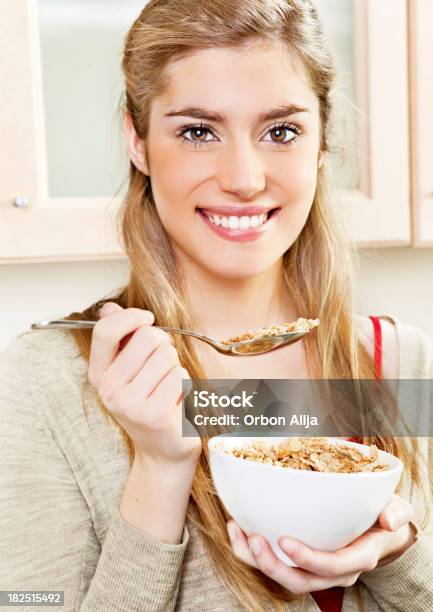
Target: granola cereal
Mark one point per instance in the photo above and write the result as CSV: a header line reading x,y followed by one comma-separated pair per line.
x,y
313,454
299,325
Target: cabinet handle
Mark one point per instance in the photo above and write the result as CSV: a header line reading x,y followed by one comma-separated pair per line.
x,y
21,201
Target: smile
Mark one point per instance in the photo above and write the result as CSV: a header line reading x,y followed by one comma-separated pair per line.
x,y
239,227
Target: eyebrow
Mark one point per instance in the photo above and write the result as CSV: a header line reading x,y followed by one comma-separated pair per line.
x,y
284,110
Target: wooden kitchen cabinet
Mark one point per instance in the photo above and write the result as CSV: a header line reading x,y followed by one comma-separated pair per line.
x,y
378,211
60,147
421,120
62,166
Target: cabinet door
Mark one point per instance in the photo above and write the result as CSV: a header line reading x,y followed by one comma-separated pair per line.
x,y
62,167
421,124
370,40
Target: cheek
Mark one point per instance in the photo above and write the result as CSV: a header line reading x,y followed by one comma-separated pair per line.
x,y
175,175
299,181
168,177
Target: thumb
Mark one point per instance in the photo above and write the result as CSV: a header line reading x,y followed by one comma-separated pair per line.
x,y
108,308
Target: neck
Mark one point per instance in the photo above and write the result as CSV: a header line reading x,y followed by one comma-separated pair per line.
x,y
223,307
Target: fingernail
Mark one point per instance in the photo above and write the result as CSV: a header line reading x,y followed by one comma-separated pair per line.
x,y
106,308
232,531
393,519
288,545
255,546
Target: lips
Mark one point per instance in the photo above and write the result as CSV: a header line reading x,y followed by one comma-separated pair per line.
x,y
236,211
238,234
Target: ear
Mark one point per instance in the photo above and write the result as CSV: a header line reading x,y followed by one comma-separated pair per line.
x,y
135,146
320,159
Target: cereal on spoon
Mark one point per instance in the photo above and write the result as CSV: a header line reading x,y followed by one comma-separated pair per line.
x,y
275,330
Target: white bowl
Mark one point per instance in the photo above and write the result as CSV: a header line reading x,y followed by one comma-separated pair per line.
x,y
324,510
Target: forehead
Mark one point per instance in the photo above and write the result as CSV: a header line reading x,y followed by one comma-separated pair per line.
x,y
239,83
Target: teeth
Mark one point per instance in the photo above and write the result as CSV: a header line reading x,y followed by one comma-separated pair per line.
x,y
243,222
234,222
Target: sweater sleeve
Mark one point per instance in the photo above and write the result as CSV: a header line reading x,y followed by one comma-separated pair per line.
x,y
407,582
47,529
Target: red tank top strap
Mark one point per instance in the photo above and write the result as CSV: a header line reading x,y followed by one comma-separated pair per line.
x,y
331,600
377,346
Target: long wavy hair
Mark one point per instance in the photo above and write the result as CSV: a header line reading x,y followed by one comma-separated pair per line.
x,y
318,267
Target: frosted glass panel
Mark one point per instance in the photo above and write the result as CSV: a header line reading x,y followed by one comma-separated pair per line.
x,y
81,44
337,18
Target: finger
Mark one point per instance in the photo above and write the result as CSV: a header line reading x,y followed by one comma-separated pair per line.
x,y
125,341
127,338
130,362
157,408
294,579
109,331
396,513
239,543
108,308
359,556
157,365
170,338
165,396
186,385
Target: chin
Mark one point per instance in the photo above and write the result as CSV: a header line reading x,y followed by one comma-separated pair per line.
x,y
239,271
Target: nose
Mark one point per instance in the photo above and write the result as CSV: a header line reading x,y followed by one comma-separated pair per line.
x,y
241,170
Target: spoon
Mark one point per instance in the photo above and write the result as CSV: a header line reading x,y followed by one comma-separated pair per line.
x,y
243,348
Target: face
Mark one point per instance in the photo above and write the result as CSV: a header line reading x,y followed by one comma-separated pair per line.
x,y
233,185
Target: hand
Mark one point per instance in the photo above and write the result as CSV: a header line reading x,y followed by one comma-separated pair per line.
x,y
135,370
386,540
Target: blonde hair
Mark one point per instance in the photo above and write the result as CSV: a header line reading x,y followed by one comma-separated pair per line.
x,y
318,266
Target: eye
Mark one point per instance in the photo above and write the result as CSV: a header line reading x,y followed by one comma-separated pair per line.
x,y
281,130
201,130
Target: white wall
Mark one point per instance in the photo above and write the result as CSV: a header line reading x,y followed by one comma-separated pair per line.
x,y
397,281
33,292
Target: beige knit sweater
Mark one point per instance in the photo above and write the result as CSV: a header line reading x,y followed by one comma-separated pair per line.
x,y
62,477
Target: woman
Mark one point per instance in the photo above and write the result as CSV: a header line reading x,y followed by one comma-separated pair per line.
x,y
227,225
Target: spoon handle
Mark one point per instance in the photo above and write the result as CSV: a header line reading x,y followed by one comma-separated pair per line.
x,y
63,324
66,324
